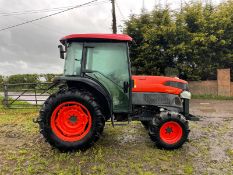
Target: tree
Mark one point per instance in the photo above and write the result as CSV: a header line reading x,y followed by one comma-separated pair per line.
x,y
23,78
1,79
150,48
49,77
196,40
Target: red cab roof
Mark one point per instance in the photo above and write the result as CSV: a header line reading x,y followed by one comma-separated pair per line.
x,y
117,37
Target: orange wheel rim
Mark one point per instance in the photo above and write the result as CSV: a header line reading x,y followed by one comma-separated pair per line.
x,y
71,121
171,132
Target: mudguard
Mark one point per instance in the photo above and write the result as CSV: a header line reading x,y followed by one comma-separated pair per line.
x,y
91,85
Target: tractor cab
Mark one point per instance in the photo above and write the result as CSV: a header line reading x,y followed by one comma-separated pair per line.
x,y
103,59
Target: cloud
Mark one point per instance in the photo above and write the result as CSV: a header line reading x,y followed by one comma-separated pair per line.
x,y
18,65
32,48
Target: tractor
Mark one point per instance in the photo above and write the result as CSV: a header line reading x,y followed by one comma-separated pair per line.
x,y
97,86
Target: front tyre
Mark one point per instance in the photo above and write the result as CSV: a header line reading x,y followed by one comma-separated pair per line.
x,y
71,120
169,130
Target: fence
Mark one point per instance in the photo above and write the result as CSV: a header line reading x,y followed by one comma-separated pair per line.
x,y
25,95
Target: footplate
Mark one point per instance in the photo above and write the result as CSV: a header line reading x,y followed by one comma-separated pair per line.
x,y
192,117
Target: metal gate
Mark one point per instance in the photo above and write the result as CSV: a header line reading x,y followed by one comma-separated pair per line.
x,y
25,95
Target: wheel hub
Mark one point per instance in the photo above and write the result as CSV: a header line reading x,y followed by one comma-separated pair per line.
x,y
169,130
73,119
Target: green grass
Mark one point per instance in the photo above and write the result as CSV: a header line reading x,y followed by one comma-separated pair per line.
x,y
123,150
17,104
230,153
211,97
188,169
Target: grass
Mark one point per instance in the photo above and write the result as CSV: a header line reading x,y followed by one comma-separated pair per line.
x,y
188,169
211,97
18,104
23,151
230,153
121,150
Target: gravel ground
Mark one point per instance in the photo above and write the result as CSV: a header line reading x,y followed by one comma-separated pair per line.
x,y
215,134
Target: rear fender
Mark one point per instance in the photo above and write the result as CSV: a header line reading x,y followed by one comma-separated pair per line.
x,y
101,94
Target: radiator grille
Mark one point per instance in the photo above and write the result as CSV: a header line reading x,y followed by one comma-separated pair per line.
x,y
157,99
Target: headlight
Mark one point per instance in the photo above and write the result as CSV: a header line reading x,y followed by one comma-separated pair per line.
x,y
186,95
179,85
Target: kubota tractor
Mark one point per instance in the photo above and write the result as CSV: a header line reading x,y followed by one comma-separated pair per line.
x,y
97,86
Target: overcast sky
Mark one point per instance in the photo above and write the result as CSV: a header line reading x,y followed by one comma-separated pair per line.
x,y
32,48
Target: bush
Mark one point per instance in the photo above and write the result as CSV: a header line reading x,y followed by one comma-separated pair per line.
x,y
196,40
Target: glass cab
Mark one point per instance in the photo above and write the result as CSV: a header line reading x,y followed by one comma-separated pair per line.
x,y
105,62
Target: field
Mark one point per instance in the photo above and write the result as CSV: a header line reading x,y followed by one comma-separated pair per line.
x,y
123,149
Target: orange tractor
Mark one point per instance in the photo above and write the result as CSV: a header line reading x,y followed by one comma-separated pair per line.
x,y
97,86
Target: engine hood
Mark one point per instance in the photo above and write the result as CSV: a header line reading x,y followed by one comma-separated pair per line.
x,y
161,84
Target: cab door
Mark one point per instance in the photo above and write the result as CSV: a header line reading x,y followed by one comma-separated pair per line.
x,y
108,64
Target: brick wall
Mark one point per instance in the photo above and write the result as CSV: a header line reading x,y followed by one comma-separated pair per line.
x,y
222,87
203,87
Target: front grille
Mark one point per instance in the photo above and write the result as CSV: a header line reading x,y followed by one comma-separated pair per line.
x,y
178,101
157,99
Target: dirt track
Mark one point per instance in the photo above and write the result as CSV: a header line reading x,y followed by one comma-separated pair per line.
x,y
215,133
212,108
123,149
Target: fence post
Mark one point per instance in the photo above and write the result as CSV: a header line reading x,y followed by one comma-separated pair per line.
x,y
5,100
36,97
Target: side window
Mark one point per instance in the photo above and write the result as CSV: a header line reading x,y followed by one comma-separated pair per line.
x,y
73,59
109,59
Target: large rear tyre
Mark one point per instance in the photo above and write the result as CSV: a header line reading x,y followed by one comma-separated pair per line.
x,y
169,130
71,120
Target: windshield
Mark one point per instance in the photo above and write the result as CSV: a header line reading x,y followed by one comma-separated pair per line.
x,y
73,59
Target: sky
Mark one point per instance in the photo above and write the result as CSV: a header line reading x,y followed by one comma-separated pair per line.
x,y
32,48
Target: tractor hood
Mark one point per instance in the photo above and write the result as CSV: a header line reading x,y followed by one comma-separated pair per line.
x,y
160,84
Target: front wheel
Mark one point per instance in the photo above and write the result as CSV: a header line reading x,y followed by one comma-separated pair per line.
x,y
71,120
169,130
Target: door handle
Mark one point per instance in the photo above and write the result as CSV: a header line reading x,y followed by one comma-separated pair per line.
x,y
126,86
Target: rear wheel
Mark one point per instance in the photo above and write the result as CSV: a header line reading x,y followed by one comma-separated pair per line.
x,y
169,131
71,120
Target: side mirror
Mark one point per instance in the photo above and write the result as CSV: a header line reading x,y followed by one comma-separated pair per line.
x,y
62,52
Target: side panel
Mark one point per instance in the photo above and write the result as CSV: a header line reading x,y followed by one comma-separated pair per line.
x,y
156,99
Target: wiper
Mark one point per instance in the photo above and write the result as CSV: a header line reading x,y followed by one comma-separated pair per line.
x,y
93,71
